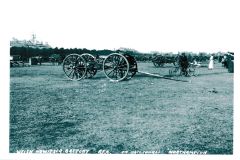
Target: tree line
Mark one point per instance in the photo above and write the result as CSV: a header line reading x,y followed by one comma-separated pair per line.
x,y
47,54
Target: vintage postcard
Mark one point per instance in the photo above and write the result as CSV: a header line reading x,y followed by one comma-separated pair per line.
x,y
114,79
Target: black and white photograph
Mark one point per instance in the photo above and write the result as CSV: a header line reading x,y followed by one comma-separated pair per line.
x,y
120,78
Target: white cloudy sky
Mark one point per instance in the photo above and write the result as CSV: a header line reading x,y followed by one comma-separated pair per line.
x,y
144,25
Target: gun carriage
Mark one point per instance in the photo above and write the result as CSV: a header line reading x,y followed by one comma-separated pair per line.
x,y
116,67
159,60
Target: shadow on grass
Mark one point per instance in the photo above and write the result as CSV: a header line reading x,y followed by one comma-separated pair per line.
x,y
216,73
142,76
162,67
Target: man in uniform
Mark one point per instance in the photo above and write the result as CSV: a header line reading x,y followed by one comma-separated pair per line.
x,y
183,62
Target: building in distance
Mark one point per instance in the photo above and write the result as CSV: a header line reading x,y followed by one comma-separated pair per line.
x,y
33,43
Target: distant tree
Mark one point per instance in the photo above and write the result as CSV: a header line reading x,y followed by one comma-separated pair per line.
x,y
85,50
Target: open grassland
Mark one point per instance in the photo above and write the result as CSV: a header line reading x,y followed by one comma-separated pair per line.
x,y
48,111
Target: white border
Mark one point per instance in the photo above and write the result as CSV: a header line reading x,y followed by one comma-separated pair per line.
x,y
226,38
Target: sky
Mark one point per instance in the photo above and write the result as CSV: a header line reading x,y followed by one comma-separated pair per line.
x,y
144,25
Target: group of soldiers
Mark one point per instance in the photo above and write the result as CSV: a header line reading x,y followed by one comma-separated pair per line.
x,y
226,60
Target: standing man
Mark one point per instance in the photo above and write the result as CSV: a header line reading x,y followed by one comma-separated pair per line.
x,y
183,61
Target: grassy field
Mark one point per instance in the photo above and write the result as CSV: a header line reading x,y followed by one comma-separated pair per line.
x,y
48,111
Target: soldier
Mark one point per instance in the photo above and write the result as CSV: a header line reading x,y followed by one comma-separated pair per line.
x,y
224,61
183,62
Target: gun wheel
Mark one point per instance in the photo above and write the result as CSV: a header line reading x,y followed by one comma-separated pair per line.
x,y
116,67
74,67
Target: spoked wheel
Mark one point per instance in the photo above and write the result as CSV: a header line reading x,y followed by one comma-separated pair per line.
x,y
116,67
158,61
132,66
191,71
161,61
91,65
196,73
74,67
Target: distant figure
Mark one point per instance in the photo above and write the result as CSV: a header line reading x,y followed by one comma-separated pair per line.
x,y
230,62
183,61
224,61
40,60
210,66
